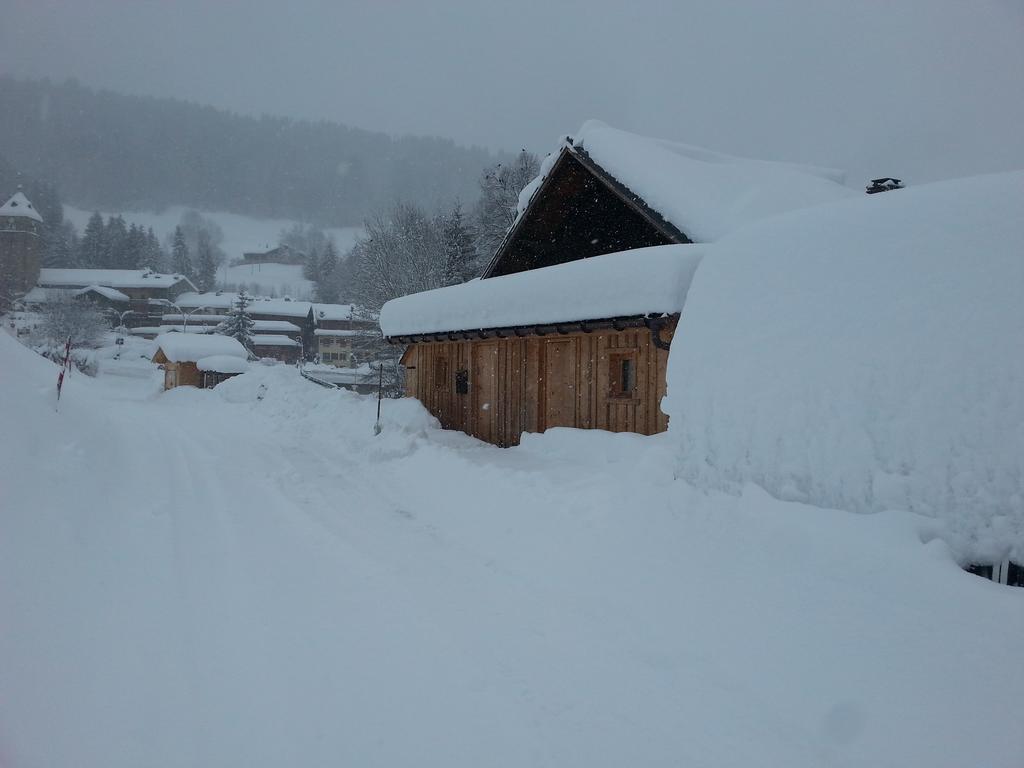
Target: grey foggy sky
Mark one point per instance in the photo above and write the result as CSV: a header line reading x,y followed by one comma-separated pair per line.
x,y
926,89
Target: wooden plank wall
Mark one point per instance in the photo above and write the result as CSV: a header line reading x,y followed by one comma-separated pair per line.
x,y
529,384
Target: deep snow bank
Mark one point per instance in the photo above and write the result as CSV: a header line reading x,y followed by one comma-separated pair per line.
x,y
249,576
866,355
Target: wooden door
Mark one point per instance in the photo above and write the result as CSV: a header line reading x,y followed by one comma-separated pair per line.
x,y
483,389
560,383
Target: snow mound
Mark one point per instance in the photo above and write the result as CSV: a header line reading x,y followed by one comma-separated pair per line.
x,y
865,356
222,364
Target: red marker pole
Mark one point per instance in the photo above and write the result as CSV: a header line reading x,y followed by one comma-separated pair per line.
x,y
64,367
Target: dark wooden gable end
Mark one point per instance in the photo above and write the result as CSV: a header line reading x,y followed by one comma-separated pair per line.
x,y
579,211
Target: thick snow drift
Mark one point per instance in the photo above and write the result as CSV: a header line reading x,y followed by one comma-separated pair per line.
x,y
249,577
638,282
222,364
867,355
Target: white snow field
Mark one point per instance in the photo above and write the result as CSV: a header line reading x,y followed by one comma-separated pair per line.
x,y
248,577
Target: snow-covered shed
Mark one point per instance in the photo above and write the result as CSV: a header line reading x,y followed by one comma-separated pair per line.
x,y
187,358
572,320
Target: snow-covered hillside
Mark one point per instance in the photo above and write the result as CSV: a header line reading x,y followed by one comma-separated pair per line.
x,y
247,576
866,355
241,233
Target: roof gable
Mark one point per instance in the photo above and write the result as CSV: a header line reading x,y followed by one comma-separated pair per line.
x,y
578,211
19,205
683,193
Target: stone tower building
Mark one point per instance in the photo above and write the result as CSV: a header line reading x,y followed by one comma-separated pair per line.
x,y
21,245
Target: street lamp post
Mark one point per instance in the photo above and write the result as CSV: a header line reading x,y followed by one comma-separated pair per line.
x,y
121,330
184,315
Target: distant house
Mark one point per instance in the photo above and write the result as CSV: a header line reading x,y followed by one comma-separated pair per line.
x,y
277,346
142,295
282,254
573,319
338,334
298,321
198,360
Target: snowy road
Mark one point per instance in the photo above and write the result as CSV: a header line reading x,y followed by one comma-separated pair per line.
x,y
204,578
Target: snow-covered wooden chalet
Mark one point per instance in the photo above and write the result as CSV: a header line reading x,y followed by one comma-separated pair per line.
x,y
572,321
199,360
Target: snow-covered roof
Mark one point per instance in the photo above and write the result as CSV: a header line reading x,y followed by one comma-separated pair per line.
x,y
265,306
109,293
39,295
866,356
191,328
281,326
702,193
178,347
332,311
330,332
196,318
111,278
19,205
273,340
637,282
222,364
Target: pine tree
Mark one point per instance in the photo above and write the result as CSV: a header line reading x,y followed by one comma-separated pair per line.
x,y
497,207
93,245
153,255
311,269
206,267
115,254
327,287
133,253
460,254
181,259
60,246
239,324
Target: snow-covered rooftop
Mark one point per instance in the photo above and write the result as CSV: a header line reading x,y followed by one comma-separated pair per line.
x,y
39,295
19,205
265,306
340,332
280,326
179,347
110,293
111,278
638,282
273,340
223,364
704,194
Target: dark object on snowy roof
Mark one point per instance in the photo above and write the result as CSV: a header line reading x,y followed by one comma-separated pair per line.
x,y
885,184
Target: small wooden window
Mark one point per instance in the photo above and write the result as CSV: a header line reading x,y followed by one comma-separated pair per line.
x,y
462,382
622,374
441,373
